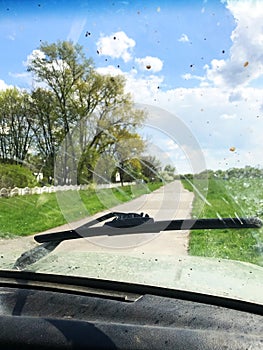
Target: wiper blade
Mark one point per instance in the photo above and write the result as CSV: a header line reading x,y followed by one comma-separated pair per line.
x,y
117,227
33,255
127,223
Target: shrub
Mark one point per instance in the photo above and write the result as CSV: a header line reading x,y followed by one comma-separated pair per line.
x,y
16,176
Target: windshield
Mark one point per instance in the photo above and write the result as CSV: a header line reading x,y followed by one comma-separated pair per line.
x,y
145,107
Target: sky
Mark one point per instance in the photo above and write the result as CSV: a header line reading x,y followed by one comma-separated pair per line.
x,y
195,66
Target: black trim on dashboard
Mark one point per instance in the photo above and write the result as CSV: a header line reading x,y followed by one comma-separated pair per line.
x,y
62,284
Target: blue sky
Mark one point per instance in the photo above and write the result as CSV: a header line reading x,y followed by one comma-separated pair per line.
x,y
25,24
187,58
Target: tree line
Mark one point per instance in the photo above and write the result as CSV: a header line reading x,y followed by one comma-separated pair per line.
x,y
74,120
231,173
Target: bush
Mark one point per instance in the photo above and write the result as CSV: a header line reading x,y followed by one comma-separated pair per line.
x,y
16,176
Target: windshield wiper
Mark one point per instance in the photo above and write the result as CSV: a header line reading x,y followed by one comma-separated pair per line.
x,y
127,223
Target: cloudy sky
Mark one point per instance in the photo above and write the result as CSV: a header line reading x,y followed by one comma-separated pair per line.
x,y
198,64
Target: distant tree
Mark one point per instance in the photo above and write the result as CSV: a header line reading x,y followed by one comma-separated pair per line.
x,y
246,172
126,153
205,174
168,173
151,168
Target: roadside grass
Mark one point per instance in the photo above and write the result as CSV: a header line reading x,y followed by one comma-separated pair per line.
x,y
229,198
26,215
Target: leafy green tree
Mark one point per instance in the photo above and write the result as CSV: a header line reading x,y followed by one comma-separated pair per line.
x,y
78,98
61,66
15,126
47,128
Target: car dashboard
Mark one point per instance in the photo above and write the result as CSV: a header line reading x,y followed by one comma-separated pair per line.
x,y
78,313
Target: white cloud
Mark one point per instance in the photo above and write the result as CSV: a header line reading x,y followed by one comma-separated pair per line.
x,y
111,70
215,121
27,77
33,55
189,76
116,45
214,73
213,118
184,38
144,86
58,65
171,145
227,116
3,85
143,89
223,111
153,64
245,63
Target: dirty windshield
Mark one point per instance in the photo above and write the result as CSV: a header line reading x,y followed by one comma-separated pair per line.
x,y
131,142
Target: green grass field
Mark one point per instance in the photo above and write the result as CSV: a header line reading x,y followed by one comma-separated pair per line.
x,y
233,197
25,215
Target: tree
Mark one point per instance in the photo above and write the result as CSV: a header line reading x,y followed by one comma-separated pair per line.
x,y
47,129
168,173
170,169
126,152
80,98
151,168
112,120
15,126
60,66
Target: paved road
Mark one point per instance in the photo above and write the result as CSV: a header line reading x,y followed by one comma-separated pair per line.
x,y
169,202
